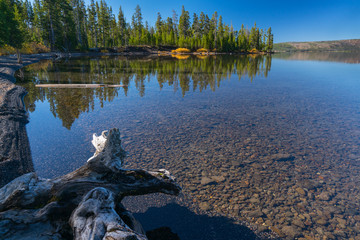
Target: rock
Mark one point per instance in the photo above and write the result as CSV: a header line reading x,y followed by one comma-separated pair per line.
x,y
329,235
207,181
300,191
281,157
320,230
218,178
204,206
322,221
341,221
340,234
291,232
309,184
324,196
263,228
308,222
256,214
298,223
254,200
236,163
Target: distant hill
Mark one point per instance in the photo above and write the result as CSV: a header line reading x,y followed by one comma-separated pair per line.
x,y
338,45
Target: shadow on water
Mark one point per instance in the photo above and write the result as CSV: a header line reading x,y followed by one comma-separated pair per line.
x,y
190,226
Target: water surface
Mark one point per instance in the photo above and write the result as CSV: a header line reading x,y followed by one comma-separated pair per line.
x,y
263,139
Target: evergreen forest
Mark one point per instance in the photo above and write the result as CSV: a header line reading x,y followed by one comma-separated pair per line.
x,y
71,25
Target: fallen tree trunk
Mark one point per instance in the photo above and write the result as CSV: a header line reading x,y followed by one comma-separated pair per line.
x,y
89,198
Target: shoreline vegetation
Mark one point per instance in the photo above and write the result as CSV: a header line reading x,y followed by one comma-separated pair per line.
x,y
72,26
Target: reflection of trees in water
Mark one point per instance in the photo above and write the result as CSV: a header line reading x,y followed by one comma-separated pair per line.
x,y
68,104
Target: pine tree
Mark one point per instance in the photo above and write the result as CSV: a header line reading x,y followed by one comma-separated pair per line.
x,y
66,29
49,10
158,29
221,34
37,26
97,29
243,39
254,37
214,29
270,39
122,28
92,24
137,25
104,23
175,29
184,23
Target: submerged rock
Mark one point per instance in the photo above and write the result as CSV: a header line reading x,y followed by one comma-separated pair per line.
x,y
204,206
291,232
281,157
207,181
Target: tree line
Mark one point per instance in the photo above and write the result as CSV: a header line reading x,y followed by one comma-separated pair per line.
x,y
68,25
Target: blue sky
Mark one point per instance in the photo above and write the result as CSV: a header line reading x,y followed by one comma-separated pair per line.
x,y
301,20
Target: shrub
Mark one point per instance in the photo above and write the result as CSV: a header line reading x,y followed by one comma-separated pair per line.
x,y
28,48
201,50
33,48
6,50
254,50
181,50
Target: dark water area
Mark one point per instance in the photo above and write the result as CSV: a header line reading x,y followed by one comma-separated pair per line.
x,y
273,141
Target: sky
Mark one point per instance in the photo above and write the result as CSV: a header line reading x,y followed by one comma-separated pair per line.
x,y
291,21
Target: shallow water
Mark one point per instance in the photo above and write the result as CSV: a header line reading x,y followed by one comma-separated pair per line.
x,y
273,141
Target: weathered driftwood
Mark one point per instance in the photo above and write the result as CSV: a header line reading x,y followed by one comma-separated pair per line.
x,y
89,198
96,218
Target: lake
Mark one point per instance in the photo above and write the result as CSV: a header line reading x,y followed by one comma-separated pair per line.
x,y
269,140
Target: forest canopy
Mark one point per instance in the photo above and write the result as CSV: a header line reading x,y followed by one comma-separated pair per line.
x,y
69,25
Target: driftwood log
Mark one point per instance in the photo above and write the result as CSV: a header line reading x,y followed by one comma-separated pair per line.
x,y
84,204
